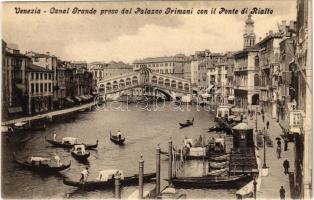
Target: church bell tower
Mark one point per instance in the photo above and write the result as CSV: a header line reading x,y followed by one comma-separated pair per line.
x,y
249,35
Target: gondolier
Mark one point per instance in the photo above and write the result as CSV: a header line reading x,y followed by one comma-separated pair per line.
x,y
84,175
57,158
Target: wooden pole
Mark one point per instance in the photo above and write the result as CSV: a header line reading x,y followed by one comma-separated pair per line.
x,y
117,186
140,177
158,170
170,162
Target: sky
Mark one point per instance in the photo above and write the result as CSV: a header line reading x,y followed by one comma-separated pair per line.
x,y
129,37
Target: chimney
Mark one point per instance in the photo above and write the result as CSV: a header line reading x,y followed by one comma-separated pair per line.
x,y
292,25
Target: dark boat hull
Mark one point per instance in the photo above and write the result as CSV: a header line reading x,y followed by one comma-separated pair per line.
x,y
116,140
127,181
80,156
211,182
63,145
40,168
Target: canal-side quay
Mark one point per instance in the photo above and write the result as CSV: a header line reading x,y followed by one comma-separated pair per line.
x,y
49,115
270,184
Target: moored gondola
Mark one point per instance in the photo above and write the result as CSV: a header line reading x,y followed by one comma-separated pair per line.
x,y
41,164
187,123
225,182
104,182
116,139
69,144
79,152
210,156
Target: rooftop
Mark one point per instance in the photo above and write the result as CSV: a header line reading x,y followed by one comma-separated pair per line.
x,y
37,68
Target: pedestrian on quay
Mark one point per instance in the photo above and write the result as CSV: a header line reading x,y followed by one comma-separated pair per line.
x,y
262,111
282,192
278,152
263,117
279,143
267,124
286,166
286,143
249,112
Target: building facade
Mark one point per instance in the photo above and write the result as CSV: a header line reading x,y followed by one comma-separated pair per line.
x,y
39,92
246,70
14,66
172,65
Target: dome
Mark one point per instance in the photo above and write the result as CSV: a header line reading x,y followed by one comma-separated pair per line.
x,y
249,20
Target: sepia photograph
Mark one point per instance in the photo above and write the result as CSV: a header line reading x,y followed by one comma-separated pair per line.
x,y
156,99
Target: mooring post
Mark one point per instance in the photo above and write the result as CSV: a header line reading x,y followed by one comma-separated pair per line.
x,y
117,193
158,170
170,162
254,184
140,177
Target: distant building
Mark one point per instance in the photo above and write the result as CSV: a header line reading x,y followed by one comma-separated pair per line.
x,y
171,65
79,66
39,89
101,70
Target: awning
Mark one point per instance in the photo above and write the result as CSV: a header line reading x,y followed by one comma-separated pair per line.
x,y
69,100
295,130
205,95
15,109
230,98
78,98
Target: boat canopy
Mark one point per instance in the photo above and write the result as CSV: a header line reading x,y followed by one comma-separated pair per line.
x,y
70,140
220,141
197,151
107,174
79,147
169,190
19,124
39,159
223,111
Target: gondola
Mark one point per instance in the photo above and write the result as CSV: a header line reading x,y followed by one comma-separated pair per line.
x,y
215,128
221,158
69,145
79,153
225,182
212,155
127,181
188,123
41,167
115,139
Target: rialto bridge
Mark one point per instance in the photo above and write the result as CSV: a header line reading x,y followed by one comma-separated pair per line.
x,y
144,78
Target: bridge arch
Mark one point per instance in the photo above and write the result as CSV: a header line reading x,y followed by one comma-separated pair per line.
x,y
115,85
186,87
134,80
154,79
108,86
174,84
128,82
160,80
180,86
167,82
121,83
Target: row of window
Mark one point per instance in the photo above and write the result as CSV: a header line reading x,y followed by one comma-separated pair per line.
x,y
155,65
41,87
40,76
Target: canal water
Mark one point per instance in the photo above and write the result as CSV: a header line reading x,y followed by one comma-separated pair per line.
x,y
143,126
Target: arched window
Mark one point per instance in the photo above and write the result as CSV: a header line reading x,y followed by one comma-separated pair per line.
x,y
256,61
256,80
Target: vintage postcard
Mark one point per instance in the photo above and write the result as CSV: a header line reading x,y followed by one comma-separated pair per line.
x,y
156,99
